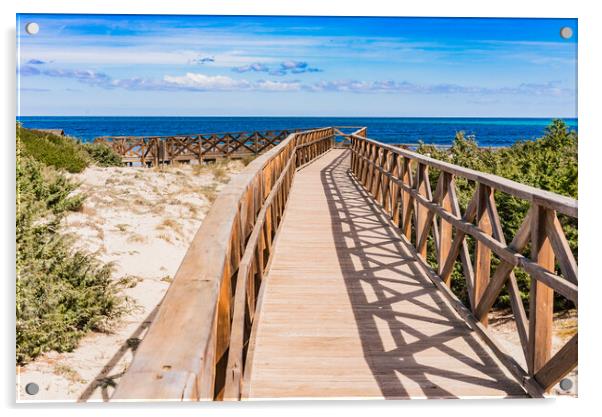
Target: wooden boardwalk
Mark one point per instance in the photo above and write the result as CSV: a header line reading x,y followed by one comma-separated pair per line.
x,y
356,316
327,273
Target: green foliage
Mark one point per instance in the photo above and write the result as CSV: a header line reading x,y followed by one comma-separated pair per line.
x,y
549,163
103,155
58,151
61,293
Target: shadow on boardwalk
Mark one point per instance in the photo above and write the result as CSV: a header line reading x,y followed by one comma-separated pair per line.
x,y
411,338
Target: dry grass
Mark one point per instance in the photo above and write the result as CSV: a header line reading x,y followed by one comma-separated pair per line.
x,y
219,170
68,372
170,224
139,201
246,160
192,209
220,173
136,238
209,192
129,281
167,278
165,237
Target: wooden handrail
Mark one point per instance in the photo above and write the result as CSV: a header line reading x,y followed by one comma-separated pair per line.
x,y
186,350
561,204
398,179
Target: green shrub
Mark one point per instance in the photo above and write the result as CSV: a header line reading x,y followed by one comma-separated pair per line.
x,y
61,293
57,151
102,154
549,163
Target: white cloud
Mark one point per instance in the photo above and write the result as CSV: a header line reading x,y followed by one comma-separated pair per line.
x,y
267,85
199,81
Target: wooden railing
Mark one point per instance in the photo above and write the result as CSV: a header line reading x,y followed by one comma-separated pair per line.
x,y
398,179
156,150
203,325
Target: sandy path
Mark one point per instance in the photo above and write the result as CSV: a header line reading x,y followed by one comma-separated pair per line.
x,y
142,220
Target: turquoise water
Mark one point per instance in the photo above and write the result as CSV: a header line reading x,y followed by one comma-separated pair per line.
x,y
440,131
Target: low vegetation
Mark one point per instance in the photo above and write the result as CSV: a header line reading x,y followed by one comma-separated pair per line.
x,y
61,293
102,154
549,163
63,152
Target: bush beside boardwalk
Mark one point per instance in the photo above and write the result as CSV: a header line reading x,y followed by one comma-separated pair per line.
x,y
62,293
63,152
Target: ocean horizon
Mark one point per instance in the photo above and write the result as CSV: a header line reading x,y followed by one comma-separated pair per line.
x,y
488,131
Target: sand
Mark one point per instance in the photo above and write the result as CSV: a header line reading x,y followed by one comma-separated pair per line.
x,y
142,220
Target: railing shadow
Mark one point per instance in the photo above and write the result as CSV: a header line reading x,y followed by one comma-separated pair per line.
x,y
376,263
106,377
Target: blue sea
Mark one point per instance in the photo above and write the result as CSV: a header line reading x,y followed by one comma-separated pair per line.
x,y
438,131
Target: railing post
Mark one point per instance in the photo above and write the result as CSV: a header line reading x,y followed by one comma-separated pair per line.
x,y
445,234
541,297
407,199
421,211
482,255
395,190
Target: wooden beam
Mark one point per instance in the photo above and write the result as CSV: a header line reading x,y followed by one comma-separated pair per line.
x,y
446,229
563,362
504,269
482,256
541,297
562,250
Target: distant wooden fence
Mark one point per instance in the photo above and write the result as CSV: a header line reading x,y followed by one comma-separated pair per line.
x,y
157,150
399,180
195,347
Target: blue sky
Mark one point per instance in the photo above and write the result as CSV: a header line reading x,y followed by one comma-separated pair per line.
x,y
303,66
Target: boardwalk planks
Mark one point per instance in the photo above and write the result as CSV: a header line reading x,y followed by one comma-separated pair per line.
x,y
360,320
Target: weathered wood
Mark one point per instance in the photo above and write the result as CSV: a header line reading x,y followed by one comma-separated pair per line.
x,y
504,269
541,296
446,230
482,261
407,202
464,253
562,250
430,215
563,362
